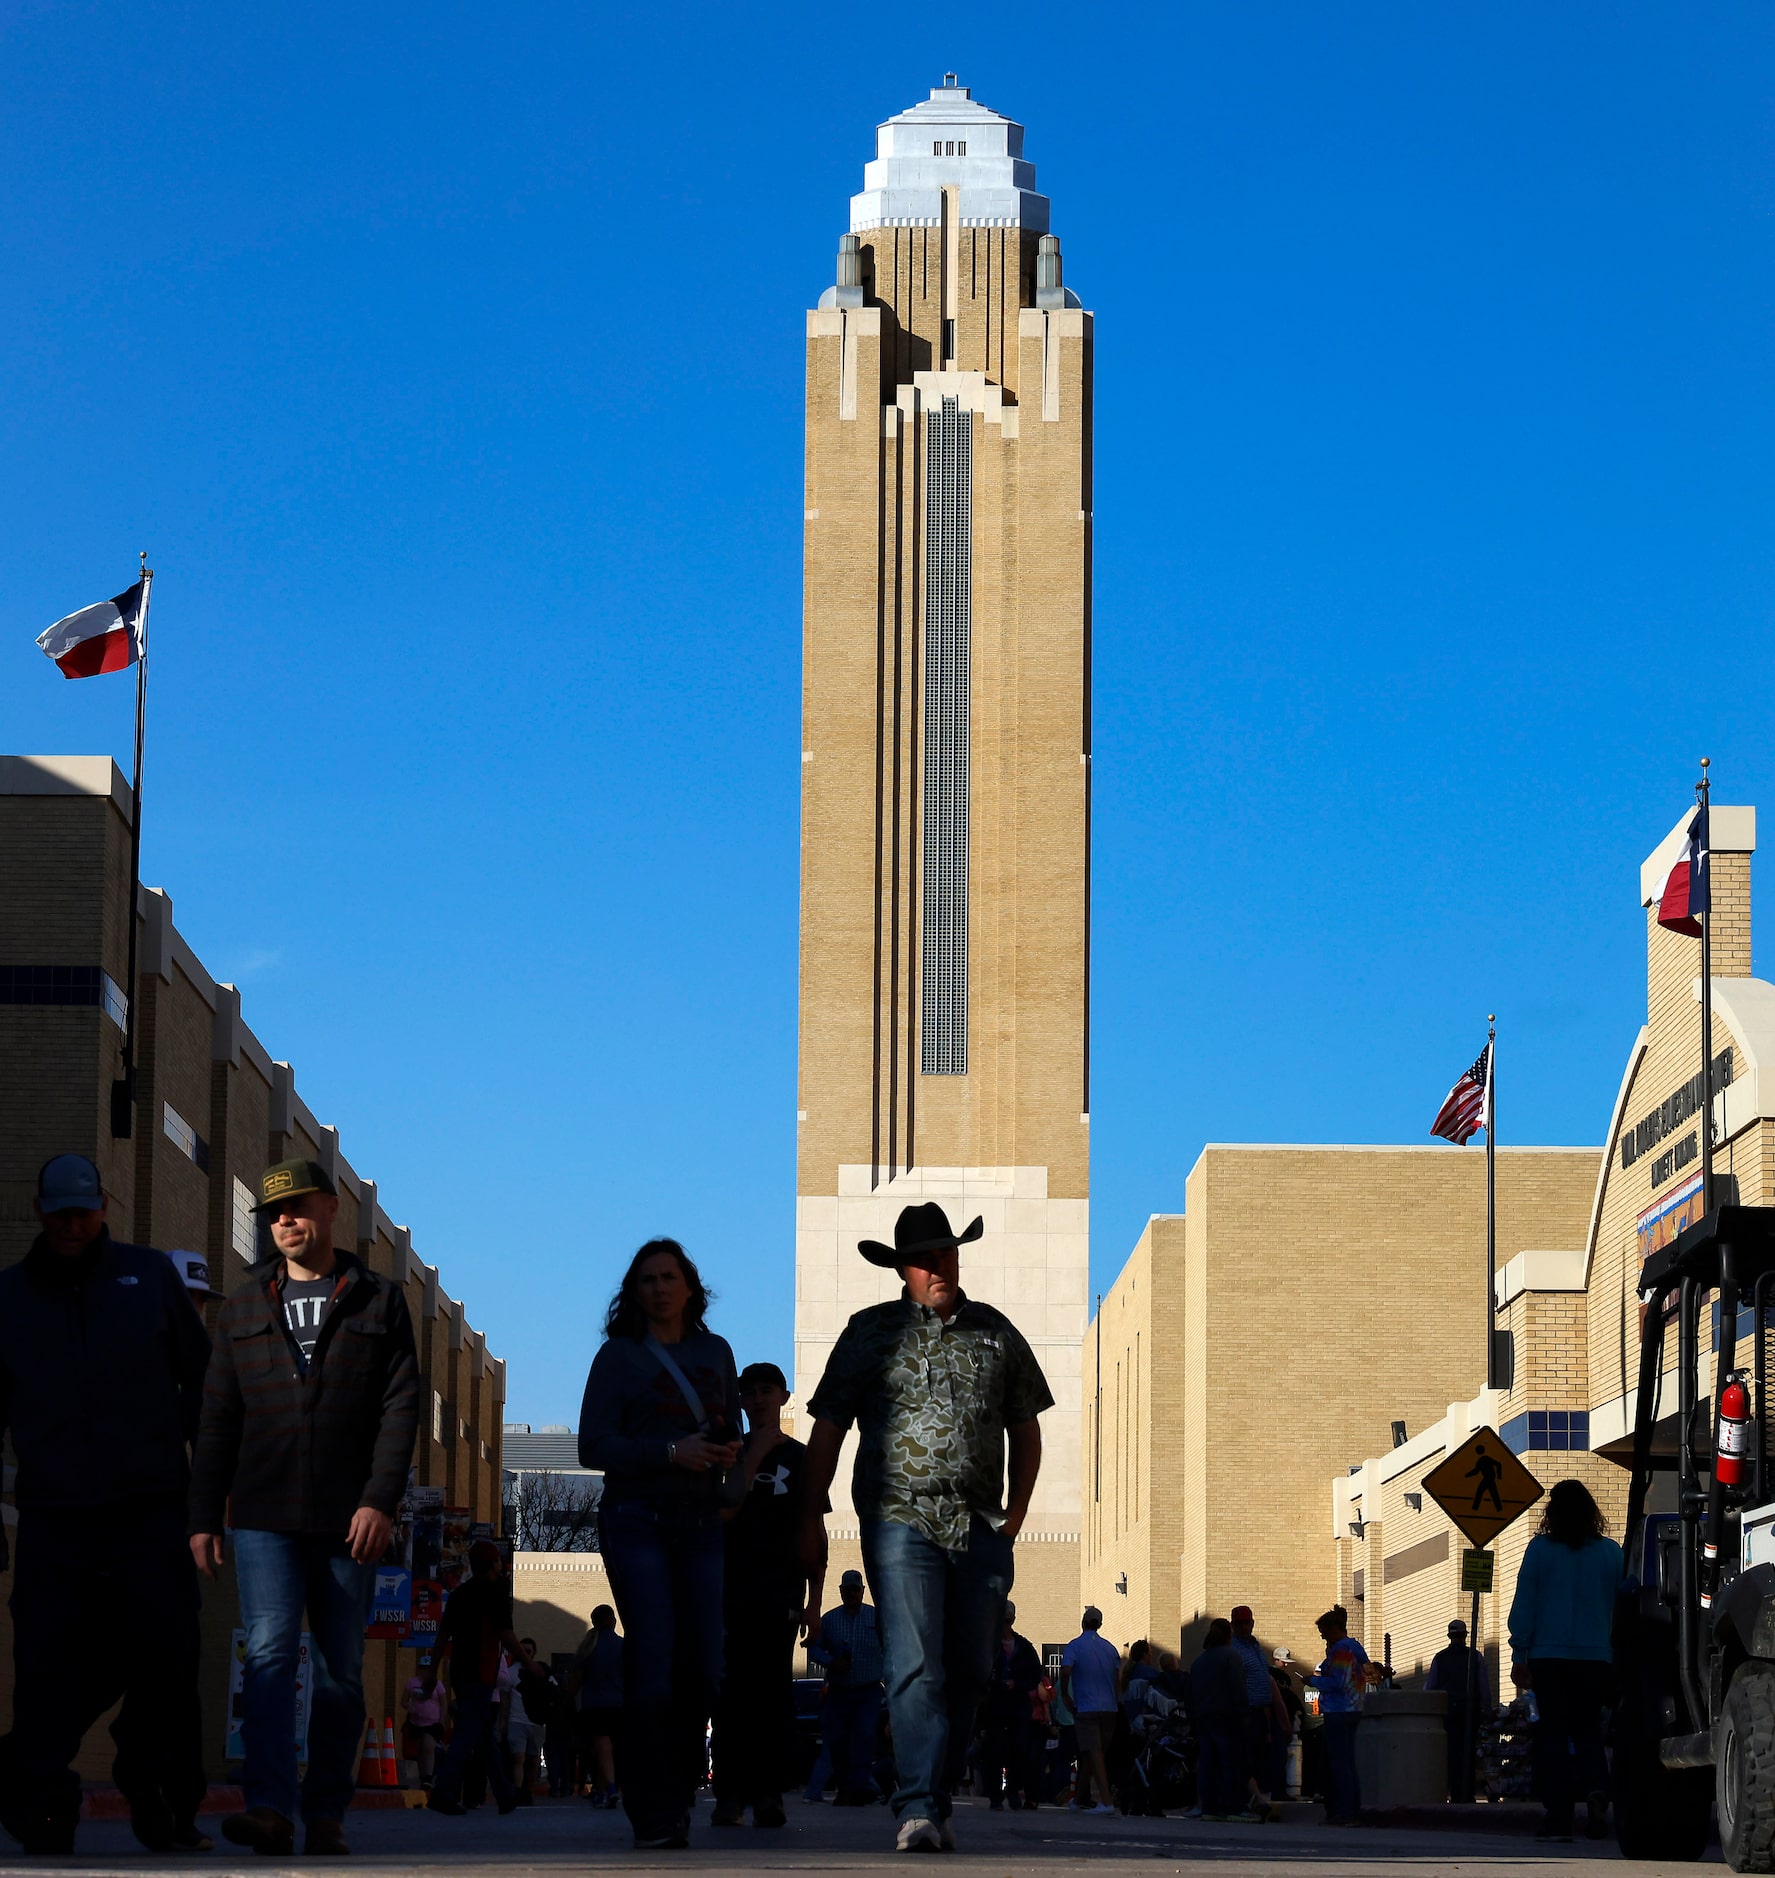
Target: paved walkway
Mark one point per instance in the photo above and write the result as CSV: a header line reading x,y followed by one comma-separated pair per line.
x,y
570,1835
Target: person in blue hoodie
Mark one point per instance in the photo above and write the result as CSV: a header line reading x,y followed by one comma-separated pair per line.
x,y
1559,1648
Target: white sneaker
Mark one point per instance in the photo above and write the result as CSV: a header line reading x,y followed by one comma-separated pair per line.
x,y
918,1835
1101,1807
946,1832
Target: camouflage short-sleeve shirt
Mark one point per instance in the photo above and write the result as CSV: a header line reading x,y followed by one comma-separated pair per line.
x,y
931,1401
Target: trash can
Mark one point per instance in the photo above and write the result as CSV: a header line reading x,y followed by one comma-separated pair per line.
x,y
1401,1748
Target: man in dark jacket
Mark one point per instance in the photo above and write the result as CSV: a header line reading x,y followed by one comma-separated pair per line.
x,y
1010,1732
309,1415
101,1374
1217,1712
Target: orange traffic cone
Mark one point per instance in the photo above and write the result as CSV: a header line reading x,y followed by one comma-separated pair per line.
x,y
391,1771
369,1769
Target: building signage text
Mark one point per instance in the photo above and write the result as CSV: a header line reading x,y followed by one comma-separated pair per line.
x,y
1667,1117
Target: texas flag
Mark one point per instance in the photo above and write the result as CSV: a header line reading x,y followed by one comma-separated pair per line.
x,y
1684,893
102,638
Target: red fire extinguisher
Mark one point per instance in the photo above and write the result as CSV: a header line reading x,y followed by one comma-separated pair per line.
x,y
1730,1461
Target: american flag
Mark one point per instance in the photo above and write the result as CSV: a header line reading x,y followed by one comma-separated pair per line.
x,y
1467,1107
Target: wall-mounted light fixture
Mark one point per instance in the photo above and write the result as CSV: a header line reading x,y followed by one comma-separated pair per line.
x,y
1415,1501
1122,1584
1358,1530
1399,1434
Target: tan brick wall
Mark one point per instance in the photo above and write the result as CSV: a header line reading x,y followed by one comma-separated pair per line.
x,y
64,859
1306,1298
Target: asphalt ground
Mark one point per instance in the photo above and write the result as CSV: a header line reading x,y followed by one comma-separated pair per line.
x,y
571,1835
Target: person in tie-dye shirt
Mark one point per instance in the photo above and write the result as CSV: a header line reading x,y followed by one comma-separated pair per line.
x,y
1341,1679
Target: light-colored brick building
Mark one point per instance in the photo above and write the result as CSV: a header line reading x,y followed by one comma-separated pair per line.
x,y
213,1110
946,762
1573,1315
1305,1297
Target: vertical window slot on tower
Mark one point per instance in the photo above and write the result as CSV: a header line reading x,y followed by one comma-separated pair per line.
x,y
943,1030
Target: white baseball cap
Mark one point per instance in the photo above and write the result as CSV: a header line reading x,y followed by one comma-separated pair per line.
x,y
194,1273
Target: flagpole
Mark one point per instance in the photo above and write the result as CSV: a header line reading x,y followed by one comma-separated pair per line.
x,y
1491,1199
123,1090
1704,859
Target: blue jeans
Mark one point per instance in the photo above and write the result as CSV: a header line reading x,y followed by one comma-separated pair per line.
x,y
940,1613
665,1566
847,1728
1340,1753
477,1708
278,1574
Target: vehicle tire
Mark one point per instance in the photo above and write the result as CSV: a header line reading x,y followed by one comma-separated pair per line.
x,y
1744,1777
1660,1812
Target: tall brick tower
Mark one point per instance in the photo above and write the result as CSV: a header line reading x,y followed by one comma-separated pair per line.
x,y
945,839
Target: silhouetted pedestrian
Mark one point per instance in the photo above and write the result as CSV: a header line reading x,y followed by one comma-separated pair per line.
x,y
661,1422
101,1373
769,1598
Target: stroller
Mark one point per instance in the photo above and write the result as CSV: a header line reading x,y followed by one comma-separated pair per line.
x,y
1161,1772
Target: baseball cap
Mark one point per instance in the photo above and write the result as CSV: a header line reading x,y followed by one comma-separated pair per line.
x,y
290,1179
1242,1614
763,1373
1093,1618
851,1577
69,1183
194,1273
1282,1655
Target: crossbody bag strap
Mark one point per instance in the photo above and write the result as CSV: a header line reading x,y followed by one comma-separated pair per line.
x,y
669,1364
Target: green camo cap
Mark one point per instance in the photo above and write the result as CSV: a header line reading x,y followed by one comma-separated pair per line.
x,y
288,1179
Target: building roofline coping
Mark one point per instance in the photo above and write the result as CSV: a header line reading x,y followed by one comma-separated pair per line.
x,y
1366,1147
1542,1270
66,776
1730,830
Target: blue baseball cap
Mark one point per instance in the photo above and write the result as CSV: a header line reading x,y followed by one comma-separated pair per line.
x,y
69,1183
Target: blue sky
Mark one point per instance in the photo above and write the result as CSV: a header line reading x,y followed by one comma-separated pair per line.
x,y
449,363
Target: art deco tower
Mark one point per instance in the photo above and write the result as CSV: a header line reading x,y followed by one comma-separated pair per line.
x,y
945,838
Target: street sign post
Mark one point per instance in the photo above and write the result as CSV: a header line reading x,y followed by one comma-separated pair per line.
x,y
1482,1486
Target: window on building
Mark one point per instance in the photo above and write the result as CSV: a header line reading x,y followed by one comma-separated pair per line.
x,y
244,1229
64,984
438,1424
185,1138
1560,1430
961,149
949,148
937,147
943,1030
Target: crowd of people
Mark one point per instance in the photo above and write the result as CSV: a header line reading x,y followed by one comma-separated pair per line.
x,y
147,1449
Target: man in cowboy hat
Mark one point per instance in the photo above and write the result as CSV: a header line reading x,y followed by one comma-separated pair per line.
x,y
938,1385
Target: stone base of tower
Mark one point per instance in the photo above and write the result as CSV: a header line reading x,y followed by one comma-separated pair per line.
x,y
1031,1262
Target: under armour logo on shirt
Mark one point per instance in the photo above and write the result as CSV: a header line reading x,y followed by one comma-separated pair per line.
x,y
779,1480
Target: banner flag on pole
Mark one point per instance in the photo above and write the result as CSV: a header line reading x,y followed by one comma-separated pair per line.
x,y
1467,1107
102,638
1684,895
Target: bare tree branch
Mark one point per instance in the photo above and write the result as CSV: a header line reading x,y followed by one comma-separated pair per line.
x,y
552,1512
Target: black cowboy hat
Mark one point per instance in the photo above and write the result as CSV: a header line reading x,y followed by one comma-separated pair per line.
x,y
918,1229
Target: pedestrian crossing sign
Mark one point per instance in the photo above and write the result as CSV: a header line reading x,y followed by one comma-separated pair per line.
x,y
1482,1486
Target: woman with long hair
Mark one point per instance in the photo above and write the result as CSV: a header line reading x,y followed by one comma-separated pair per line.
x,y
661,1421
1559,1647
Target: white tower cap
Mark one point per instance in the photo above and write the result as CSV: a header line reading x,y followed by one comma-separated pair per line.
x,y
949,140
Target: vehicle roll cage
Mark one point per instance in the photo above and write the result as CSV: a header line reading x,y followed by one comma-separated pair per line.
x,y
1732,1252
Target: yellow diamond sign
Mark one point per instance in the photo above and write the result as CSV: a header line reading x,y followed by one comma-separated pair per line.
x,y
1482,1486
